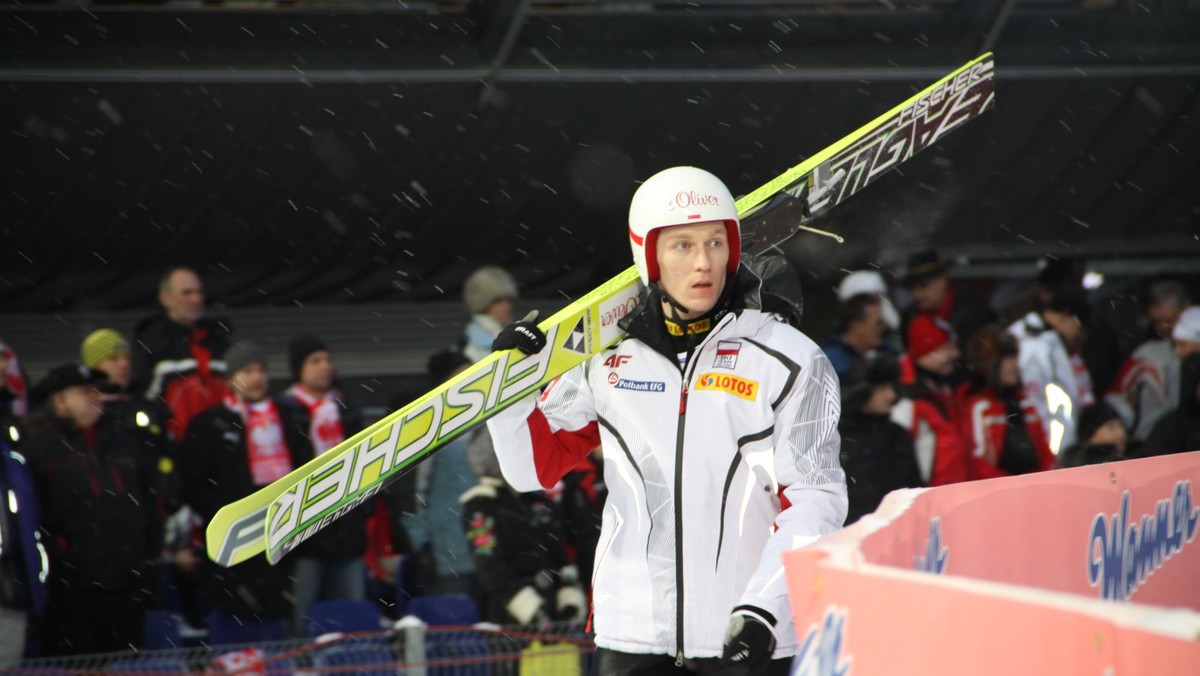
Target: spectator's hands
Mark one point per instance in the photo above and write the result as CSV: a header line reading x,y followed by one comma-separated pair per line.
x,y
750,639
523,335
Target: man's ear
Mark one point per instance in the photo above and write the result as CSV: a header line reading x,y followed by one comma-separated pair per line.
x,y
58,403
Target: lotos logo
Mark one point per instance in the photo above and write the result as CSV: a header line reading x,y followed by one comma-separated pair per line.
x,y
685,199
730,384
934,560
821,651
1122,554
617,360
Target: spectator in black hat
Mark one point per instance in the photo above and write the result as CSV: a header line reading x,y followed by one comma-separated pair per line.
x,y
102,532
328,566
231,450
877,454
927,280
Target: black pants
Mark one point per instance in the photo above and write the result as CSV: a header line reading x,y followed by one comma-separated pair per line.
x,y
613,663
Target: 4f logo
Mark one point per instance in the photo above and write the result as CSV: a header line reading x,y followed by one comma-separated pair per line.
x,y
616,360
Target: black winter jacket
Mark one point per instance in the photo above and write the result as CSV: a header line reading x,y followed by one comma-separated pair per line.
x,y
878,457
216,472
98,513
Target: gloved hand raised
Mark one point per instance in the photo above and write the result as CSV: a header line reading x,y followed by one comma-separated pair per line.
x,y
523,335
750,639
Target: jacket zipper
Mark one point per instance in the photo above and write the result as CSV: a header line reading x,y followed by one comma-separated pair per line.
x,y
687,370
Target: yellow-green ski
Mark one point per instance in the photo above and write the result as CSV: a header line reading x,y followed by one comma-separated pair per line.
x,y
282,515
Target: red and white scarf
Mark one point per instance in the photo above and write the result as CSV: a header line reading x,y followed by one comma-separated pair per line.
x,y
325,415
266,450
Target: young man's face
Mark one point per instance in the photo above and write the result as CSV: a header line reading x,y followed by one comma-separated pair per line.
x,y
117,366
80,403
691,263
250,382
929,294
317,372
183,298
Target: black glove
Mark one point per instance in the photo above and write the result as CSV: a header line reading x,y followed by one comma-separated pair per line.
x,y
523,335
749,641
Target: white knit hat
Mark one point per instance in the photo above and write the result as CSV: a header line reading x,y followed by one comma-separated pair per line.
x,y
486,286
1188,326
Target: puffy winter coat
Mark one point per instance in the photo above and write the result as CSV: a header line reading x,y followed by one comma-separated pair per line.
x,y
98,513
717,461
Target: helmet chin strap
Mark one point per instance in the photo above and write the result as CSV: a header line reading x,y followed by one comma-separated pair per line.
x,y
677,308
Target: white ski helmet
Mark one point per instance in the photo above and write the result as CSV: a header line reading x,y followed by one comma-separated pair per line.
x,y
679,196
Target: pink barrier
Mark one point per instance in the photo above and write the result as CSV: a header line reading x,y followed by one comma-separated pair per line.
x,y
1052,573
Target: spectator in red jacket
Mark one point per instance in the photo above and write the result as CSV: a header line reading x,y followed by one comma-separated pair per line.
x,y
1003,432
928,409
178,360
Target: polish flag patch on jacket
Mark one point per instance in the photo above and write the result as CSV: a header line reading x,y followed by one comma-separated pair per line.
x,y
727,354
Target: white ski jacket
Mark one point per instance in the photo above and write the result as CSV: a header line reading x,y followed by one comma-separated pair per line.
x,y
709,483
1056,381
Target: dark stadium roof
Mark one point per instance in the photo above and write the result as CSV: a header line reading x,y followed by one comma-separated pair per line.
x,y
376,152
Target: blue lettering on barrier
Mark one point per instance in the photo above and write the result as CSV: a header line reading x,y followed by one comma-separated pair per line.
x,y
821,651
934,560
1122,555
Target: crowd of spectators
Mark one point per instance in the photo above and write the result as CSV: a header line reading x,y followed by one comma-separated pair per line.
x,y
958,392
118,458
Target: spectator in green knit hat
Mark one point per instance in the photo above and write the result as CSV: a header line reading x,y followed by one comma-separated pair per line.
x,y
107,351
